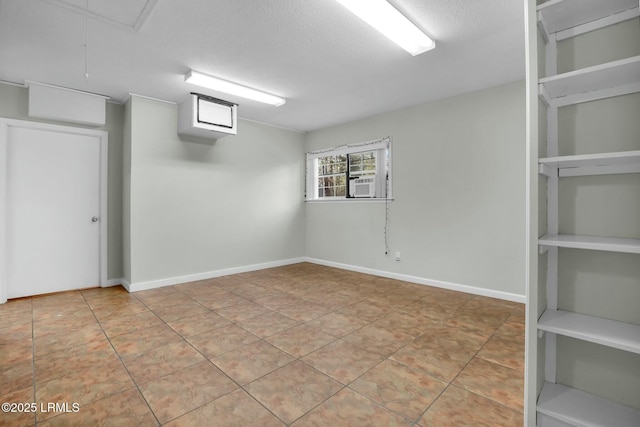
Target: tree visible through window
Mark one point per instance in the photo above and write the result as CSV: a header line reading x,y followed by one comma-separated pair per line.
x,y
352,171
332,179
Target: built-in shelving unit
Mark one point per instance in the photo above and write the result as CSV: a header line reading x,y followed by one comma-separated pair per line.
x,y
557,20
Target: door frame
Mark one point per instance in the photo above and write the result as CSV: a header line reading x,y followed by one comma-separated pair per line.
x,y
103,136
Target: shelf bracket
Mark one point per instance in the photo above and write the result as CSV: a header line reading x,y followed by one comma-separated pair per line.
x,y
543,27
540,333
542,249
545,170
544,95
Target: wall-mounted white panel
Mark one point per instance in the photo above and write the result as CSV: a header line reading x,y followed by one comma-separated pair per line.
x,y
207,117
66,105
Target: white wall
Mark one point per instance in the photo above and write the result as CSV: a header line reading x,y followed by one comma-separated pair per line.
x,y
458,184
199,207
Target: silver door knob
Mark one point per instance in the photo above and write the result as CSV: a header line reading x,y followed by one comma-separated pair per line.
x,y
94,219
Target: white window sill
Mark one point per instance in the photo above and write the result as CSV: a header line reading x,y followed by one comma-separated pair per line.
x,y
351,200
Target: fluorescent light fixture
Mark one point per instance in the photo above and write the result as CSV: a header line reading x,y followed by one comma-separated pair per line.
x,y
225,86
389,21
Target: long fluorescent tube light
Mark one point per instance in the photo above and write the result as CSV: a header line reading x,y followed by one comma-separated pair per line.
x,y
225,86
389,21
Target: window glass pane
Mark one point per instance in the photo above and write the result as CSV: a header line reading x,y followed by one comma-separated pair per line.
x,y
332,169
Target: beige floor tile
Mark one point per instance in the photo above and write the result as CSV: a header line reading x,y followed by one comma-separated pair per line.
x,y
459,408
219,341
337,324
124,409
378,339
184,390
496,382
83,386
506,346
242,311
18,418
125,325
300,340
197,324
178,311
348,408
160,361
56,324
16,376
111,312
267,324
399,388
367,310
221,300
253,292
144,339
441,363
304,311
342,361
404,323
277,302
95,294
65,362
68,338
236,409
291,391
251,361
311,344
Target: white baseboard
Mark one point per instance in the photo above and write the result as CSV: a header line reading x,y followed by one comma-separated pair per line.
x,y
422,281
142,286
152,284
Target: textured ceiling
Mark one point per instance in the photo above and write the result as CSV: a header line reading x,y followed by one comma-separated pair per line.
x,y
329,65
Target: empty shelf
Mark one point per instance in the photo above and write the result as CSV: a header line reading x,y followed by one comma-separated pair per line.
x,y
621,73
620,335
611,244
602,159
578,408
557,15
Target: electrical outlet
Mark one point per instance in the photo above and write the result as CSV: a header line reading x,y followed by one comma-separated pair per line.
x,y
398,256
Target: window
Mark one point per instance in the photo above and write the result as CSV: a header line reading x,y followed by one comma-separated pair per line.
x,y
359,171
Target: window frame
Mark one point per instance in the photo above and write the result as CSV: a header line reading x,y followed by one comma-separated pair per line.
x,y
384,175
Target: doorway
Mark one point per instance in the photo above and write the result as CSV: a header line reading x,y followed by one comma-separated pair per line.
x,y
52,208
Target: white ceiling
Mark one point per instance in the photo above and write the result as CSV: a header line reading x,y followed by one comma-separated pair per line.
x,y
329,65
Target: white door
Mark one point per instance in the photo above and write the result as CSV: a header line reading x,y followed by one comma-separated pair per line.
x,y
53,213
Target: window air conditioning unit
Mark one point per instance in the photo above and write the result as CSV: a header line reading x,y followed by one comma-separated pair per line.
x,y
363,187
208,117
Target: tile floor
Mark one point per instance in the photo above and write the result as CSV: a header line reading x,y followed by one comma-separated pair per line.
x,y
301,345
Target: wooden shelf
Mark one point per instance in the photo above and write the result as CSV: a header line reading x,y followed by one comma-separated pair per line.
x,y
578,408
620,335
611,244
624,73
558,15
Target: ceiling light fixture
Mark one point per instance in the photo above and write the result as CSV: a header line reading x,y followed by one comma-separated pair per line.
x,y
382,16
225,86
